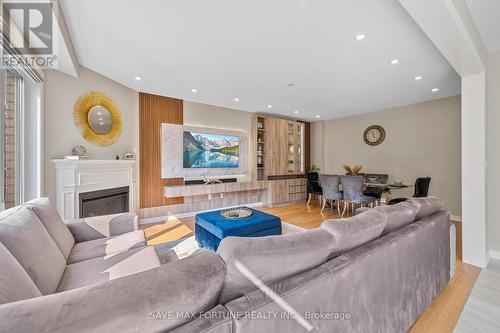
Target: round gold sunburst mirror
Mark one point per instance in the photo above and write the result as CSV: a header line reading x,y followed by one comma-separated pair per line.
x,y
98,118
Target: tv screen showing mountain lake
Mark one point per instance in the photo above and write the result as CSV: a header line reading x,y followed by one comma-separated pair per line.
x,y
203,150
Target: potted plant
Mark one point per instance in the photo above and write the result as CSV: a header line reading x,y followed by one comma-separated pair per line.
x,y
352,171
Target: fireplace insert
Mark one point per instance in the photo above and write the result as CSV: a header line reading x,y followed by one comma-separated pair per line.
x,y
104,202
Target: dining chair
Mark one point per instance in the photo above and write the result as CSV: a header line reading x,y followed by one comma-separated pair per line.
x,y
313,186
331,192
352,187
422,185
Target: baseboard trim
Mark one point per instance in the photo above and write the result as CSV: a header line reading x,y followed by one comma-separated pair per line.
x,y
192,214
456,218
495,255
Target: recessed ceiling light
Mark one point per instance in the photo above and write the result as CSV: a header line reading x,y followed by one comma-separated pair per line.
x,y
269,106
138,78
418,78
394,61
101,123
296,112
99,113
318,116
236,99
194,90
360,36
435,90
100,119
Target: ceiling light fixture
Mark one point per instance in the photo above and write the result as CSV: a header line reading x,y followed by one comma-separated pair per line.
x,y
194,90
435,90
236,99
138,78
360,36
394,61
269,106
418,78
318,116
296,112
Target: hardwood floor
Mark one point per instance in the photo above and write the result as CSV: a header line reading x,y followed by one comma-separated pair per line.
x,y
441,316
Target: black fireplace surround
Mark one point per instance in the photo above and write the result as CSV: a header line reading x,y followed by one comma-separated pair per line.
x,y
104,202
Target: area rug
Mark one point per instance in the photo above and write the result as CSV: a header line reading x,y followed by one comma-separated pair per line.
x,y
172,251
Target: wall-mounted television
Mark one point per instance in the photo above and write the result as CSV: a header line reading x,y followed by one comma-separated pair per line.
x,y
203,150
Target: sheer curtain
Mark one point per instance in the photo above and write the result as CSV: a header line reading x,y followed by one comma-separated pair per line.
x,y
20,136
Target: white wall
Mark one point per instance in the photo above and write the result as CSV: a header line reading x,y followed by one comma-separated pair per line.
x,y
474,245
203,115
318,144
60,133
421,140
493,151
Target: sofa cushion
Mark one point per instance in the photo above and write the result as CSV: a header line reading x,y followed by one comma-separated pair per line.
x,y
426,206
106,246
136,303
355,231
271,258
22,233
397,216
15,284
96,227
107,268
53,223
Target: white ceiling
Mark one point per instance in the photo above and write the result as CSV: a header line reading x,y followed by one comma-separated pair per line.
x,y
252,49
486,16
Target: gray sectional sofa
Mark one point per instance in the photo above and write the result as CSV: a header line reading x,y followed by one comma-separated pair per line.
x,y
374,272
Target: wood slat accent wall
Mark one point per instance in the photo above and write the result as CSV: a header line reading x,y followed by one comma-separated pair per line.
x,y
153,111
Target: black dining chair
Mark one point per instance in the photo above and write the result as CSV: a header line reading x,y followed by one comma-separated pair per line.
x,y
421,190
313,186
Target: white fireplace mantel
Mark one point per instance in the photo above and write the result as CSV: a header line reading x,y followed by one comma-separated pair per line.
x,y
78,176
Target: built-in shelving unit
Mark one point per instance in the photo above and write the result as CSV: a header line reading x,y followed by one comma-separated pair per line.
x,y
280,157
261,151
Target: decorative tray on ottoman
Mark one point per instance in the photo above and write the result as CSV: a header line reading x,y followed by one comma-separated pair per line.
x,y
236,213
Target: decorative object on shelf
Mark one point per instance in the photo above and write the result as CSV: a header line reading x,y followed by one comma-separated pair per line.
x,y
78,151
260,125
259,150
210,181
129,156
98,118
374,135
398,182
352,171
260,137
117,157
236,213
314,168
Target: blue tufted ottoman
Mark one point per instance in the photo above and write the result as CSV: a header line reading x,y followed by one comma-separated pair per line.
x,y
211,227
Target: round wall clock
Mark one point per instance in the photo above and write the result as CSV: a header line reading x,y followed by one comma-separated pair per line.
x,y
374,135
